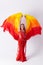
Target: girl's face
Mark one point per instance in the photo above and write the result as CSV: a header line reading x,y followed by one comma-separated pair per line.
x,y
22,27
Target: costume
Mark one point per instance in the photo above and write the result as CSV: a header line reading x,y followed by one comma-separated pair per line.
x,y
12,24
21,46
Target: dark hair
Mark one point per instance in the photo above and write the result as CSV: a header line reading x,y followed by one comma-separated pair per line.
x,y
23,27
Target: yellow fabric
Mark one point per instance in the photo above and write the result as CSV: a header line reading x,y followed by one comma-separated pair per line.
x,y
14,19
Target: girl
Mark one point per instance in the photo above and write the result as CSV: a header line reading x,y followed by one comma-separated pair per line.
x,y
21,44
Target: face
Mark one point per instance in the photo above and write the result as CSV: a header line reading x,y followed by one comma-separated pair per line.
x,y
22,27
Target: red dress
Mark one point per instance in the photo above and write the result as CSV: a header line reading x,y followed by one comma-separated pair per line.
x,y
21,46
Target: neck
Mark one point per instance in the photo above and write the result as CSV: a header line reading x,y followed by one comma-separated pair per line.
x,y
22,30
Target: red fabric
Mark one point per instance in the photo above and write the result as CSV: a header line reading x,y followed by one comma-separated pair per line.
x,y
34,31
21,46
9,27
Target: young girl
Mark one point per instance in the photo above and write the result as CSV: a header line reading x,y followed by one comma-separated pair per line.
x,y
22,44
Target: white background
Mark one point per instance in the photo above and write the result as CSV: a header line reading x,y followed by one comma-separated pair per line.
x,y
8,46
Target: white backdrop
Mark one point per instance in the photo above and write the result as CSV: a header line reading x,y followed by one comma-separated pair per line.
x,y
8,46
